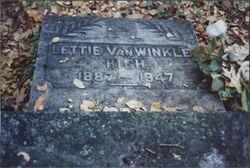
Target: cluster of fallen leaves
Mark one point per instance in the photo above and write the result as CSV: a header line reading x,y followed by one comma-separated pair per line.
x,y
124,106
16,26
41,99
21,19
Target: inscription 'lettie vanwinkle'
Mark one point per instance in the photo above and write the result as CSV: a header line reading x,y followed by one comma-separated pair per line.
x,y
94,50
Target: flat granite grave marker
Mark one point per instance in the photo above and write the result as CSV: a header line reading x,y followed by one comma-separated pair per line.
x,y
121,62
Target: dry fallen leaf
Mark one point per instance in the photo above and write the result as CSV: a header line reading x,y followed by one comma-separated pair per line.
x,y
185,85
23,35
17,36
136,105
42,87
61,3
211,19
170,109
39,103
148,85
70,100
124,110
177,157
234,80
110,109
63,60
156,106
143,4
153,12
78,83
109,28
117,15
55,40
67,3
36,14
135,15
54,9
64,109
169,35
19,94
198,109
87,105
199,28
247,18
70,106
25,156
81,4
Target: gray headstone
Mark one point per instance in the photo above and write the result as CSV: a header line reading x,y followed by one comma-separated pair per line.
x,y
207,140
144,60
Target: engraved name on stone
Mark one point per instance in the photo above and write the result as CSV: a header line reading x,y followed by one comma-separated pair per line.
x,y
81,49
122,57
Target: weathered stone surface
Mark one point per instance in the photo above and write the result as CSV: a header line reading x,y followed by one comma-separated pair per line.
x,y
125,139
144,60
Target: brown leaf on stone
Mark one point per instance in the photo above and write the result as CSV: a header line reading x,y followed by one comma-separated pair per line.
x,y
39,103
88,106
63,60
42,87
69,100
55,40
177,157
109,28
25,156
170,109
198,109
78,83
110,109
124,109
71,106
136,105
156,106
64,109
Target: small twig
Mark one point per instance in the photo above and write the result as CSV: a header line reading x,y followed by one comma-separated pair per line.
x,y
171,145
150,151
